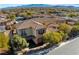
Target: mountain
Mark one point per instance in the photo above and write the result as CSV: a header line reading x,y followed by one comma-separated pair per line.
x,y
46,6
59,6
36,5
52,6
30,6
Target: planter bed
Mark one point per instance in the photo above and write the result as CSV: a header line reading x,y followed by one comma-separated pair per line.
x,y
43,51
27,50
40,50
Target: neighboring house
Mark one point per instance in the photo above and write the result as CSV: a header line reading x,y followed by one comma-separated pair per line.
x,y
7,23
58,13
4,21
3,16
2,28
20,19
42,16
37,16
52,27
70,21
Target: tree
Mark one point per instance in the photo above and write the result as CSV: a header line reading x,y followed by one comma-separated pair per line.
x,y
11,16
26,14
29,14
19,42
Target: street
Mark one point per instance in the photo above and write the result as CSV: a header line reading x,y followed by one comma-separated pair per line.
x,y
72,48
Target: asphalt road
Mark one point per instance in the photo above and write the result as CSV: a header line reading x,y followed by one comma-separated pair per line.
x,y
71,48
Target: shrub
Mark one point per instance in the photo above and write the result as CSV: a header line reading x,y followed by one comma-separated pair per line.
x,y
47,36
64,35
4,40
57,37
19,42
75,31
77,23
65,28
52,37
72,15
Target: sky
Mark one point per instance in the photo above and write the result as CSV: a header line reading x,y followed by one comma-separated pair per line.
x,y
39,1
9,5
13,3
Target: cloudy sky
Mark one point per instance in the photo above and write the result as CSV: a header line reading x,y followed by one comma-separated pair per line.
x,y
9,3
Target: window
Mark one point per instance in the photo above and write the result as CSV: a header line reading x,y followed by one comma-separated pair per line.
x,y
41,31
25,32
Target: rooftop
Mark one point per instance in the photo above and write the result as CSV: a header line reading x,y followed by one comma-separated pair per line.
x,y
35,22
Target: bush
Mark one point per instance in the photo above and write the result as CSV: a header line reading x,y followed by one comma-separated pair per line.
x,y
72,15
19,42
57,37
75,31
77,23
4,40
65,28
52,37
64,35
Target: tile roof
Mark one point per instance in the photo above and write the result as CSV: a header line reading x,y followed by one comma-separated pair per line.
x,y
36,22
28,24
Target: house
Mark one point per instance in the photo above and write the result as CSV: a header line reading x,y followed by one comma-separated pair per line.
x,y
3,16
30,29
6,22
33,29
70,21
57,13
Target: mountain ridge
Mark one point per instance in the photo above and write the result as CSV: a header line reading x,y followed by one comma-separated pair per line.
x,y
46,6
